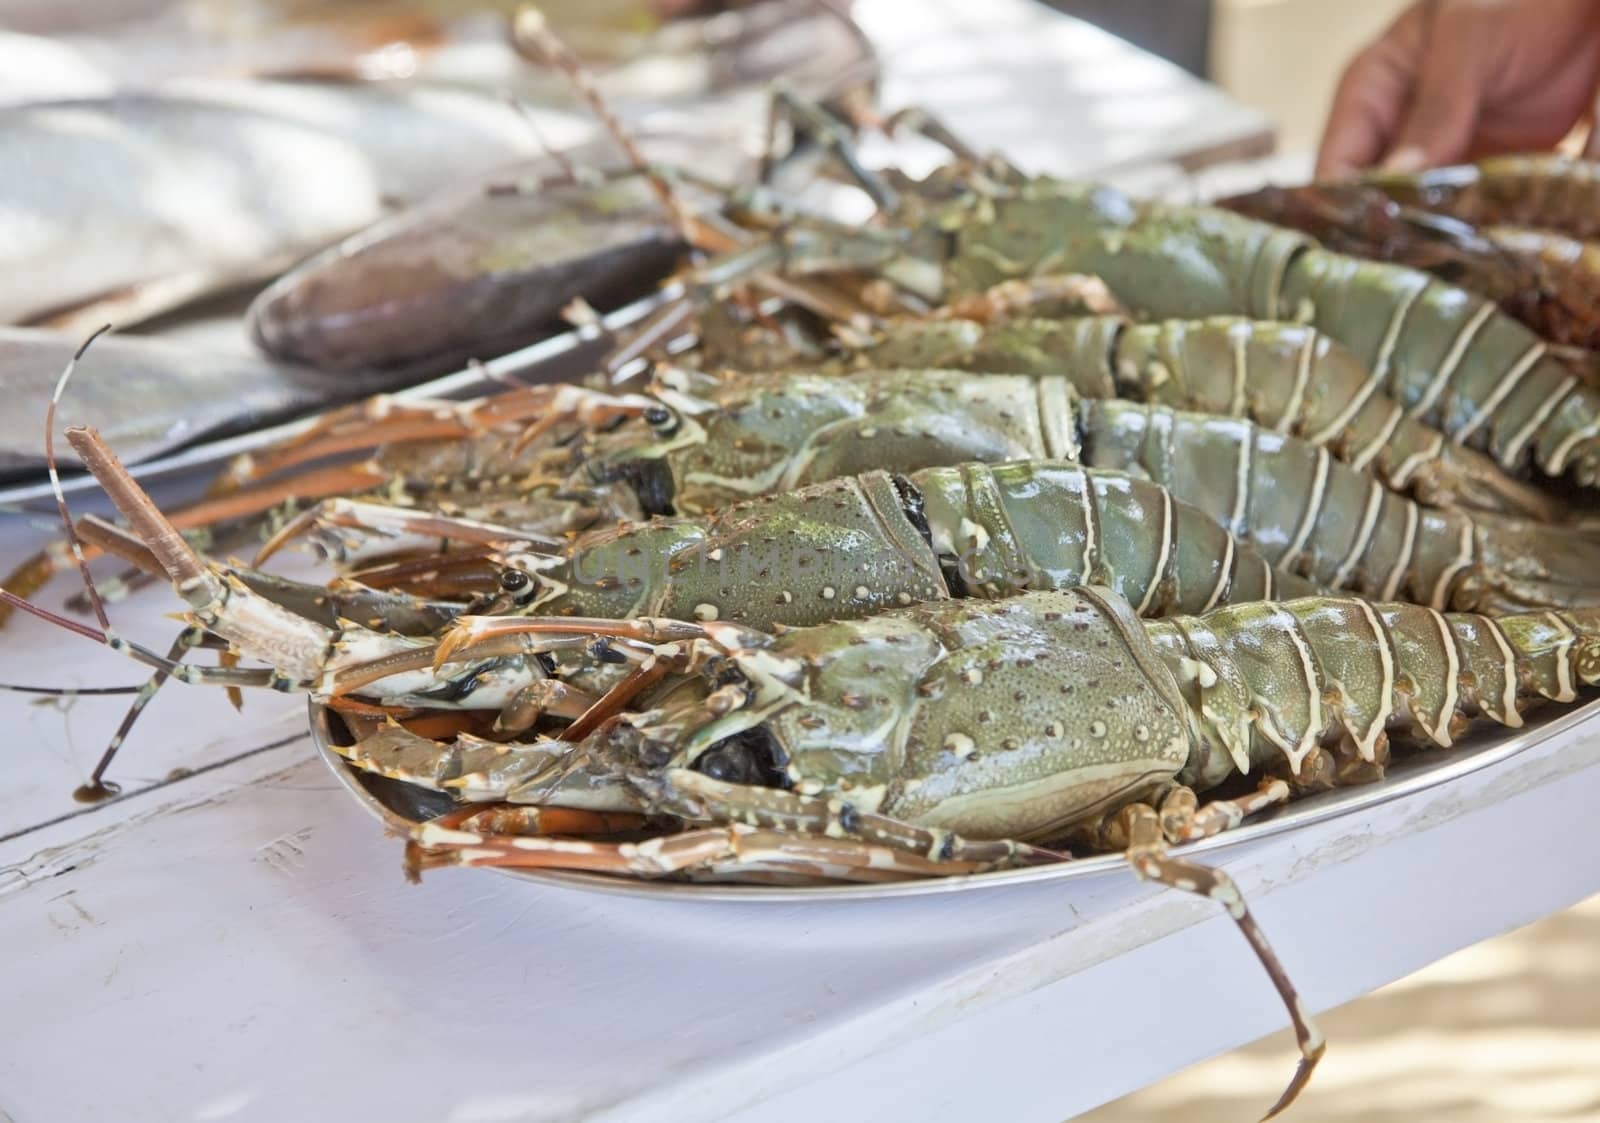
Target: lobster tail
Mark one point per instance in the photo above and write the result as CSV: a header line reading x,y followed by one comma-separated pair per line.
x,y
1270,682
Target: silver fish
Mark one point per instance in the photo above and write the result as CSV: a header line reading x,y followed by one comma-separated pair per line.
x,y
420,139
166,197
147,396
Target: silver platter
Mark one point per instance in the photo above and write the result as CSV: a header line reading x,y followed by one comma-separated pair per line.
x,y
399,806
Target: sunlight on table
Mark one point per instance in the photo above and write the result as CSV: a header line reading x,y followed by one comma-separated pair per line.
x,y
1502,1031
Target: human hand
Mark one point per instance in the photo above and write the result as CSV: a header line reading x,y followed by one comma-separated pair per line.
x,y
1457,79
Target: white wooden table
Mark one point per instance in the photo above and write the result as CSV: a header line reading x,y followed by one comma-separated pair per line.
x,y
238,943
232,938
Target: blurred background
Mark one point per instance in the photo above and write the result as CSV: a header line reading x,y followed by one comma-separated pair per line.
x,y
1283,56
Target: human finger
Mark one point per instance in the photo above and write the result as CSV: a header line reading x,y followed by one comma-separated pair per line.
x,y
1371,98
1439,122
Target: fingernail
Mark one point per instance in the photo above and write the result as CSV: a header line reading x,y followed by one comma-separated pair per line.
x,y
1408,158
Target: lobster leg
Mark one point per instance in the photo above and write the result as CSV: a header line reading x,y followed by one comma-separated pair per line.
x,y
520,819
96,788
696,796
775,831
1147,854
809,119
735,852
1182,821
382,519
227,505
546,697
918,120
473,636
609,705
473,769
385,420
1063,294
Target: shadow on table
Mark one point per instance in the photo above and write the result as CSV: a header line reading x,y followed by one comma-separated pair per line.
x,y
1505,1030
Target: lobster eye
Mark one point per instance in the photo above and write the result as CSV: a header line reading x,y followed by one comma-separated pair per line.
x,y
661,419
513,580
751,757
519,586
729,763
601,650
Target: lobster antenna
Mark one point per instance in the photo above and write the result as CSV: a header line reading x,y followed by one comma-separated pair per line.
x,y
69,691
162,539
10,598
60,494
531,34
523,110
95,788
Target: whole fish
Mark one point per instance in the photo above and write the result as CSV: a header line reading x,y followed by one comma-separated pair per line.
x,y
472,276
157,198
478,271
154,395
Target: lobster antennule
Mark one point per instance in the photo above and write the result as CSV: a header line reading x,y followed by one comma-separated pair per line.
x,y
183,566
357,514
471,634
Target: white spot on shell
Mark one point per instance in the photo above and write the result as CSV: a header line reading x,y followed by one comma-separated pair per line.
x,y
974,533
961,745
1195,671
705,612
828,592
1097,728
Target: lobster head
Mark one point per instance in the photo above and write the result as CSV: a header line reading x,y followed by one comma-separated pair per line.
x,y
1013,719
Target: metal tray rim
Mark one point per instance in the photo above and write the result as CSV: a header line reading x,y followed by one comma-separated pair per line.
x,y
1420,772
479,376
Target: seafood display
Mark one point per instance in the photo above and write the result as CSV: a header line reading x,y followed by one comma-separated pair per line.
x,y
1023,521
910,741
